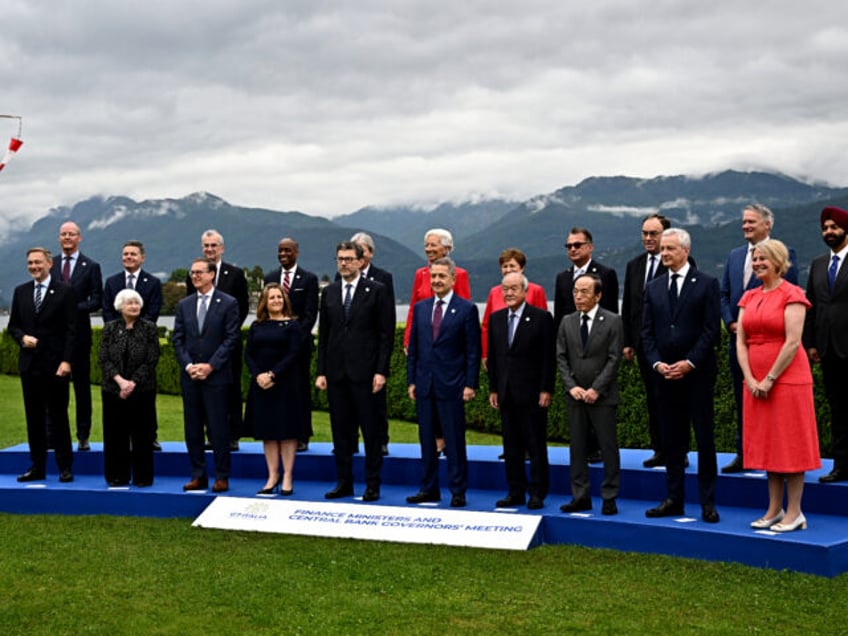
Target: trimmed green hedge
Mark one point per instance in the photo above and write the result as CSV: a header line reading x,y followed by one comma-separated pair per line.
x,y
632,413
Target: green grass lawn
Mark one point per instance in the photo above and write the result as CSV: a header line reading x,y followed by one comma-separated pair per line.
x,y
120,575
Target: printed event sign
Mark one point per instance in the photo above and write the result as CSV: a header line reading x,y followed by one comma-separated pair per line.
x,y
411,524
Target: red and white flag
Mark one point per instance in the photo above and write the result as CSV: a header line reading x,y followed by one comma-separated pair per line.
x,y
15,143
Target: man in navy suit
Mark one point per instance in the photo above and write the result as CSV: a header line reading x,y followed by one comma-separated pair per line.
x,y
355,341
757,223
302,289
43,322
680,330
83,274
146,284
521,379
206,329
442,369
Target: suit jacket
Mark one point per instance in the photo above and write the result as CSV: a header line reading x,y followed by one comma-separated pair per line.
x,y
521,371
826,324
421,289
731,281
496,302
692,331
446,366
216,343
132,353
303,293
88,287
564,299
232,281
381,276
594,366
148,286
54,326
359,345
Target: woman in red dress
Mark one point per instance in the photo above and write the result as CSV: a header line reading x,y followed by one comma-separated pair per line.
x,y
779,420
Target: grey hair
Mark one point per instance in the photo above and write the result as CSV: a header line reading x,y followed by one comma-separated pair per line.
x,y
525,284
124,295
444,260
365,239
445,237
682,236
210,233
765,213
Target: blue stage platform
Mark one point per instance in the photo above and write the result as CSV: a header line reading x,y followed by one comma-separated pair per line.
x,y
822,549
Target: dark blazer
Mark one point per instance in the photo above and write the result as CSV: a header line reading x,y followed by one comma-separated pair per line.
x,y
88,287
381,276
731,289
594,366
231,280
826,324
146,284
526,368
54,326
215,345
692,331
303,293
564,298
360,345
446,366
132,353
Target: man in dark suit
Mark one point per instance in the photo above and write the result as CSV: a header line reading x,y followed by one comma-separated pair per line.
x,y
355,341
83,274
146,284
757,223
588,354
231,280
826,332
43,322
680,330
442,368
521,380
206,329
302,289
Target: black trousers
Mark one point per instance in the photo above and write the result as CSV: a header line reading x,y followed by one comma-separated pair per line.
x,y
353,407
525,428
835,375
128,432
46,396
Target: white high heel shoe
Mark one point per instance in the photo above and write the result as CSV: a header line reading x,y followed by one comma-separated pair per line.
x,y
799,523
763,523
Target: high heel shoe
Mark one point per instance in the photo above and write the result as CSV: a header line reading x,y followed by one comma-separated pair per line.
x,y
272,489
763,522
799,523
286,492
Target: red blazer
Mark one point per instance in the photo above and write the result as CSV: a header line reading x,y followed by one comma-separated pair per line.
x,y
421,289
535,297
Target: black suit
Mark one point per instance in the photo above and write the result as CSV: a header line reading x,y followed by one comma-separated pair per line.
x,y
826,330
88,287
518,373
353,348
564,298
688,332
45,393
148,286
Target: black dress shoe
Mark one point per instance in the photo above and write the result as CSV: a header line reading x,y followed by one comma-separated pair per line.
x,y
234,445
736,466
142,484
837,474
458,501
302,447
709,513
667,508
653,461
577,505
157,447
32,475
510,501
535,503
371,494
66,476
384,450
609,507
423,497
595,458
83,446
117,483
341,490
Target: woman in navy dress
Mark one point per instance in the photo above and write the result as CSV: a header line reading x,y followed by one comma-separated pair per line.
x,y
275,401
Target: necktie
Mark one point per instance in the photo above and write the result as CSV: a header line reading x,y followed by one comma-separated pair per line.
x,y
347,300
748,271
672,291
651,268
131,281
286,283
511,327
584,329
66,270
201,312
831,273
437,319
38,288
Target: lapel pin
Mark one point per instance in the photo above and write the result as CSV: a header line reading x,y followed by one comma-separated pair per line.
x,y
526,318
600,318
367,289
453,311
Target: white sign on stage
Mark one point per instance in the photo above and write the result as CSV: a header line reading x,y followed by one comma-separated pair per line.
x,y
380,523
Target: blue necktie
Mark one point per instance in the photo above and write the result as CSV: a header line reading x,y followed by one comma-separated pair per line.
x,y
201,313
512,322
651,269
38,298
347,299
131,281
831,273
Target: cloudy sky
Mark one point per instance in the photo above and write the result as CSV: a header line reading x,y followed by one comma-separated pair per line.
x,y
326,107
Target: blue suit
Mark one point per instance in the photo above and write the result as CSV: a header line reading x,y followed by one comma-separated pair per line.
x,y
207,400
148,287
440,370
731,291
689,332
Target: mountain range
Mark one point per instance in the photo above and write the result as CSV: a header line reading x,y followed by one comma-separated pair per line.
x,y
611,207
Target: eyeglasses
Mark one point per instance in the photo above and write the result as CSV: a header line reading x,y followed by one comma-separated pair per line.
x,y
346,259
576,245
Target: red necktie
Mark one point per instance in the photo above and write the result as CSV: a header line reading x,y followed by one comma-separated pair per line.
x,y
66,270
286,283
437,319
